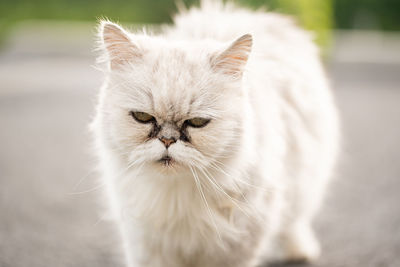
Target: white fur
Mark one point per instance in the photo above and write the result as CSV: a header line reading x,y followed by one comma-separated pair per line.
x,y
254,176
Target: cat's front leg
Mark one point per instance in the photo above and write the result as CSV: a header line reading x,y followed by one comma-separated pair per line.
x,y
140,249
136,255
300,243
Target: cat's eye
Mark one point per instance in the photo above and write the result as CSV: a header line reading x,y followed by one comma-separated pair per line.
x,y
198,122
142,117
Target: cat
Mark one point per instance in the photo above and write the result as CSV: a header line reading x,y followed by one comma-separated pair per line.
x,y
216,138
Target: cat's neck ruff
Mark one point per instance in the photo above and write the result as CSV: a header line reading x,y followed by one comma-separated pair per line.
x,y
177,204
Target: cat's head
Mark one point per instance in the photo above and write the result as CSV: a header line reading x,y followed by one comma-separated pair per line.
x,y
172,104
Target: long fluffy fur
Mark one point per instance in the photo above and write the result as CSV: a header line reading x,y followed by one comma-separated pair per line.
x,y
252,177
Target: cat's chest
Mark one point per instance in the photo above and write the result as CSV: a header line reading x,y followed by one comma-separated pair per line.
x,y
190,231
167,201
177,209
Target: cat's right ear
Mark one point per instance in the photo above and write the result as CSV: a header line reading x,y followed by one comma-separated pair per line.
x,y
117,44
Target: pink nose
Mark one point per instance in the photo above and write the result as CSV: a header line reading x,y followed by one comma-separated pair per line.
x,y
167,141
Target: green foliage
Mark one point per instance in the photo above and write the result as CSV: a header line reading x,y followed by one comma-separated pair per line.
x,y
367,14
314,15
154,11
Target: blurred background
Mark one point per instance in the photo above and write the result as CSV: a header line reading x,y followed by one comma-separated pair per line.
x,y
50,198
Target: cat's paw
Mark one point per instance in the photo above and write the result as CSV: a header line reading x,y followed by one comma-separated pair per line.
x,y
301,245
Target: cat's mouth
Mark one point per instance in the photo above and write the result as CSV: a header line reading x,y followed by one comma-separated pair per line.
x,y
166,161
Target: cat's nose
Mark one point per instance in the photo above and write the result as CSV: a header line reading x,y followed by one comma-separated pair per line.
x,y
167,141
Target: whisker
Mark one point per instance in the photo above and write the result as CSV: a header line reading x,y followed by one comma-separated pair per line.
x,y
234,201
99,220
256,212
83,178
220,169
102,184
198,185
87,191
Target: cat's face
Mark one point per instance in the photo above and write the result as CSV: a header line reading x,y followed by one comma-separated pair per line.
x,y
171,106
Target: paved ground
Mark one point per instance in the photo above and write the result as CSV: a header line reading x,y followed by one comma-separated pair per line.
x,y
47,93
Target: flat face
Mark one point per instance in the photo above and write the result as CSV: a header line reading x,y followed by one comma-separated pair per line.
x,y
171,109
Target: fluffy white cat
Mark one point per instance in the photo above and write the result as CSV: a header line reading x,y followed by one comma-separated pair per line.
x,y
216,139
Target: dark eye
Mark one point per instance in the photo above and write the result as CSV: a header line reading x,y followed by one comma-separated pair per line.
x,y
198,122
142,117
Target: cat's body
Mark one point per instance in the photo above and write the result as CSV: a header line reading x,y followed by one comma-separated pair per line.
x,y
253,173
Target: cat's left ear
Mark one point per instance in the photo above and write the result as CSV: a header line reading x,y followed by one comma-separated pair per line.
x,y
233,60
117,44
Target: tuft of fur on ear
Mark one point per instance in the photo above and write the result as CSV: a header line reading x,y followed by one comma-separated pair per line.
x,y
118,45
233,59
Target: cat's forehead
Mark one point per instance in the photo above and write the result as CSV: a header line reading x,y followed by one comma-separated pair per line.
x,y
177,83
177,64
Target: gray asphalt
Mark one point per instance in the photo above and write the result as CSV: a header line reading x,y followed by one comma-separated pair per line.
x,y
49,219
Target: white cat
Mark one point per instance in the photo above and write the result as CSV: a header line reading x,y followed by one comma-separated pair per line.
x,y
216,139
